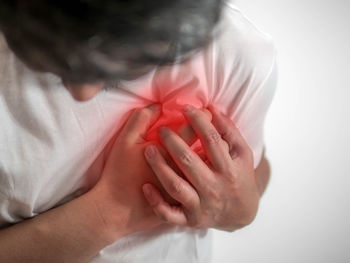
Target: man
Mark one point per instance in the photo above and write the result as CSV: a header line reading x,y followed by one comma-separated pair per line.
x,y
82,182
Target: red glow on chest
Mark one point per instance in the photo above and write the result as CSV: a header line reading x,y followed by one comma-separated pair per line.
x,y
171,117
173,93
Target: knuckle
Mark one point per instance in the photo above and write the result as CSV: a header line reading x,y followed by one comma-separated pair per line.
x,y
162,216
212,137
215,196
186,158
194,218
233,150
193,222
201,217
166,217
244,156
232,180
176,188
228,135
220,165
190,202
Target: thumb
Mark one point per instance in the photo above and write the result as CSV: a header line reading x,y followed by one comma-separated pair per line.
x,y
139,122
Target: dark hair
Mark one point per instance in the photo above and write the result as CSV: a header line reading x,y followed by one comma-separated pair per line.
x,y
90,40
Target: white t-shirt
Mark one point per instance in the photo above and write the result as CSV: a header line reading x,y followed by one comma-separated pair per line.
x,y
48,141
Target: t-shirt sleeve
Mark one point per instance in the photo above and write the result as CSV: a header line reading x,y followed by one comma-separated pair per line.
x,y
245,61
249,113
252,118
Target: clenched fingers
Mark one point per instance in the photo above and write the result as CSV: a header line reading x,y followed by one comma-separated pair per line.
x,y
177,187
215,147
187,133
193,167
230,133
135,129
166,212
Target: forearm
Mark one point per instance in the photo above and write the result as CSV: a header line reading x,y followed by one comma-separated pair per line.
x,y
69,233
262,175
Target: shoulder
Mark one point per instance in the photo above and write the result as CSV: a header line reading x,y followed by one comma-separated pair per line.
x,y
3,45
241,47
5,52
11,68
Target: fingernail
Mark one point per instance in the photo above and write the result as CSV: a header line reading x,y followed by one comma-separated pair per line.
x,y
211,107
164,131
188,109
215,110
147,190
154,107
151,151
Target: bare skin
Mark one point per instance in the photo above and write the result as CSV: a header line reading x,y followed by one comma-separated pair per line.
x,y
221,193
78,230
84,92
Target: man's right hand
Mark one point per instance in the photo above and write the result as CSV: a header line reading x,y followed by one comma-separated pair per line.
x,y
118,194
115,207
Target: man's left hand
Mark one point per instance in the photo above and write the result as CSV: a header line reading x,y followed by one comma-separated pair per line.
x,y
220,192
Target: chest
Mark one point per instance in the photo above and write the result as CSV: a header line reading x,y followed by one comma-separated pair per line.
x,y
49,144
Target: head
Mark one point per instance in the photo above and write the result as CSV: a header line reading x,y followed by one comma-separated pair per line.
x,y
89,42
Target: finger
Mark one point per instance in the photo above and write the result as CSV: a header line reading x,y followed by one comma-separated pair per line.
x,y
170,214
195,170
229,132
176,187
200,152
215,147
168,159
187,133
138,123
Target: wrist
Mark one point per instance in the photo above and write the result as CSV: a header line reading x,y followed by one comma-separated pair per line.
x,y
74,227
107,220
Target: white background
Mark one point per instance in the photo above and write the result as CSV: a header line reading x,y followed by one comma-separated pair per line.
x,y
304,216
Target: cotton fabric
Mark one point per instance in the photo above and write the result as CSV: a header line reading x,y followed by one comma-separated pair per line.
x,y
48,141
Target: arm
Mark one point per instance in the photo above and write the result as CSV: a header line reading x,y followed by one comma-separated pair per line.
x,y
113,208
262,174
69,233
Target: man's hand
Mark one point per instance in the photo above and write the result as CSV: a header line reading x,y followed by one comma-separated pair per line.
x,y
118,195
220,192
